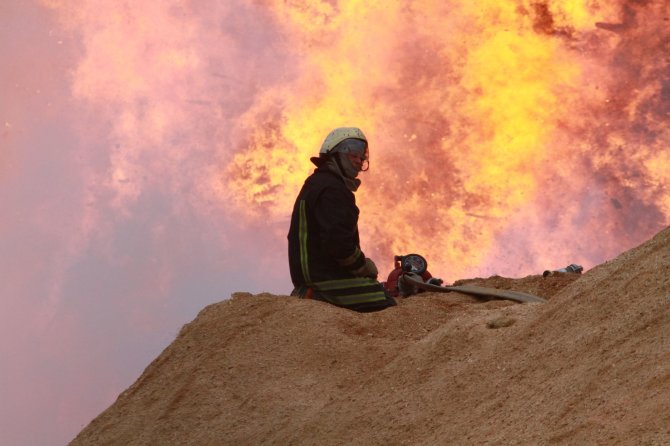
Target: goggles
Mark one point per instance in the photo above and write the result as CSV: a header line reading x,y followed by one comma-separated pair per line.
x,y
355,147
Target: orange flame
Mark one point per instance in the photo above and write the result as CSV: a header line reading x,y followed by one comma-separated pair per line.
x,y
484,117
505,136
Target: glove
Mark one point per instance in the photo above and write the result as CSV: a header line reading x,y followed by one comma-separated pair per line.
x,y
435,281
369,269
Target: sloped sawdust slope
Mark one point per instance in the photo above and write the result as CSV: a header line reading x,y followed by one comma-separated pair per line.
x,y
590,366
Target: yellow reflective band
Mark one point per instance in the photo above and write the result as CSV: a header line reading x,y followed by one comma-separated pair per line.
x,y
360,298
351,259
302,234
329,285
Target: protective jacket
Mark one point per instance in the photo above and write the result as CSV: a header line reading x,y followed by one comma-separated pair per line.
x,y
324,247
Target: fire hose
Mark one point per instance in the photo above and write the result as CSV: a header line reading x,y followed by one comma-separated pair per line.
x,y
410,280
411,276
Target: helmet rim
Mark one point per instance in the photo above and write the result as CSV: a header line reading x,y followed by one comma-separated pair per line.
x,y
338,135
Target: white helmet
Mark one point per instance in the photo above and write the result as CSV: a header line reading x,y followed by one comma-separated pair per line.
x,y
340,134
345,140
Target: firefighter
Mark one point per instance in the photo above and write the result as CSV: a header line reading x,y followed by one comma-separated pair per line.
x,y
325,257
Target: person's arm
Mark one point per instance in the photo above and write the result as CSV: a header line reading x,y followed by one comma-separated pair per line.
x,y
337,216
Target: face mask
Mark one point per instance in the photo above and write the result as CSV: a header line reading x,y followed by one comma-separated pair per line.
x,y
348,169
355,147
337,166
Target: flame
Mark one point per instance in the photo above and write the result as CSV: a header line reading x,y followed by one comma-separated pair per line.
x,y
476,113
505,136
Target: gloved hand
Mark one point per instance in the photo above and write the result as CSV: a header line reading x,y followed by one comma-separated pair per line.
x,y
435,281
369,269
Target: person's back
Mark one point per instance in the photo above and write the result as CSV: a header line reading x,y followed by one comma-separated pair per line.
x,y
325,258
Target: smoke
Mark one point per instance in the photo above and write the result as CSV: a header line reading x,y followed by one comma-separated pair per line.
x,y
117,119
151,153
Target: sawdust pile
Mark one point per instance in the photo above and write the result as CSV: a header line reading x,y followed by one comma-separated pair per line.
x,y
590,366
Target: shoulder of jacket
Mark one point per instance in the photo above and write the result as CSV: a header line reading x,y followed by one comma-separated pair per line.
x,y
328,184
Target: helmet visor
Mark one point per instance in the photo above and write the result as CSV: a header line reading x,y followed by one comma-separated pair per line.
x,y
356,147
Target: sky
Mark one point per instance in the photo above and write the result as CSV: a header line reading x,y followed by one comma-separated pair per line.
x,y
150,153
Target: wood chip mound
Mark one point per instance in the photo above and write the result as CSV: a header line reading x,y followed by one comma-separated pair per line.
x,y
591,366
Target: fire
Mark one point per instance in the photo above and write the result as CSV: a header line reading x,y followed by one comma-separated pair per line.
x,y
476,112
505,136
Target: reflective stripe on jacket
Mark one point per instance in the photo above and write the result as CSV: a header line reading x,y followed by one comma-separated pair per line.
x,y
323,244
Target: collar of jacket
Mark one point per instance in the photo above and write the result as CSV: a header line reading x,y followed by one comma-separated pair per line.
x,y
331,167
